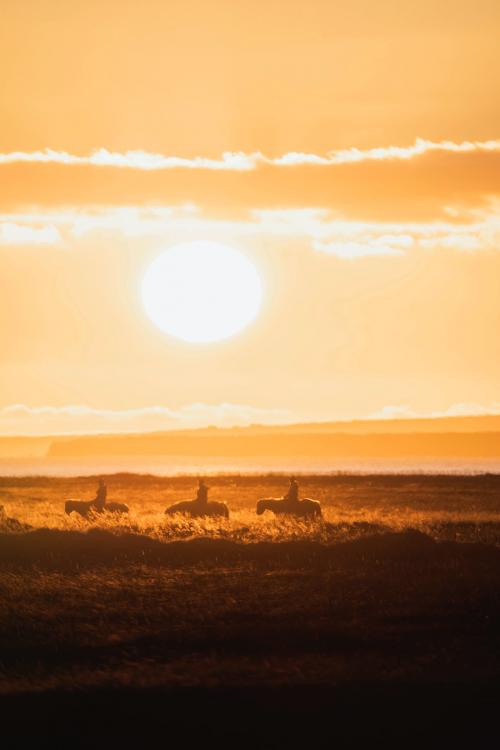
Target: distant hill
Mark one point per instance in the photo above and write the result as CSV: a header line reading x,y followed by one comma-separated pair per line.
x,y
445,437
438,437
288,444
484,423
24,447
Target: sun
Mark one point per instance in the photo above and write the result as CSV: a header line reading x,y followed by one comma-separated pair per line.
x,y
201,291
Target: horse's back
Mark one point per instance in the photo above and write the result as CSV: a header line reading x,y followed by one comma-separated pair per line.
x,y
116,508
305,507
313,506
218,509
274,504
182,507
195,510
77,506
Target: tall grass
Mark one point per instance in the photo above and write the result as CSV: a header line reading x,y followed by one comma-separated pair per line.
x,y
444,509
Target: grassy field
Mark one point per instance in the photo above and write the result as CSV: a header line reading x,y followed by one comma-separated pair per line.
x,y
388,609
464,508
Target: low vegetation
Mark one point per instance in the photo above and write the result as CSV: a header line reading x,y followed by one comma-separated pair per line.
x,y
395,589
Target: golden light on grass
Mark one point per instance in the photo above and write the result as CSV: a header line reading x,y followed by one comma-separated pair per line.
x,y
201,291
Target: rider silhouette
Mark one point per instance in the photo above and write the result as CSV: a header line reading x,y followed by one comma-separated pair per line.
x,y
293,491
202,494
100,498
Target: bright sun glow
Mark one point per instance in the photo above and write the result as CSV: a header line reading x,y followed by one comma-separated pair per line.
x,y
201,291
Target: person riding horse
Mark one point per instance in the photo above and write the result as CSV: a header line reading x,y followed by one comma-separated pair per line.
x,y
202,494
100,498
201,506
292,496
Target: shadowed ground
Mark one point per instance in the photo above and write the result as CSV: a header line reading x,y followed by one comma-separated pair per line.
x,y
112,638
392,635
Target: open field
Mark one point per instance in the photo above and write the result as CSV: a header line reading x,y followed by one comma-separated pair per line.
x,y
381,622
462,508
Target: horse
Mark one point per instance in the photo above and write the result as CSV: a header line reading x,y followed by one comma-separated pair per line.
x,y
198,510
305,508
84,507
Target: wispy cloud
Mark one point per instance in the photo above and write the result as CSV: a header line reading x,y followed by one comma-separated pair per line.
x,y
144,160
325,231
23,234
20,419
385,153
349,250
240,161
462,409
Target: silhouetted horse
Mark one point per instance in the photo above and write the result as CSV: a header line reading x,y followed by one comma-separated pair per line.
x,y
198,510
84,507
305,508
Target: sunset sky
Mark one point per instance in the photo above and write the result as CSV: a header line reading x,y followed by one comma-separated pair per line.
x,y
350,150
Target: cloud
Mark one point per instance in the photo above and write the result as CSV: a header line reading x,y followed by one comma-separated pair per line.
x,y
385,153
143,160
457,241
20,419
130,221
479,230
462,409
24,234
240,161
469,409
399,411
390,188
351,250
324,230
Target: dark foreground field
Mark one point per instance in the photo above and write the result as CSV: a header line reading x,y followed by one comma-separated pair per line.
x,y
376,636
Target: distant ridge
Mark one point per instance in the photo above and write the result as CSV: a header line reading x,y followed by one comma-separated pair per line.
x,y
288,444
434,437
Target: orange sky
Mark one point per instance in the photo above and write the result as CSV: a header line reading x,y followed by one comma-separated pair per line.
x,y
381,267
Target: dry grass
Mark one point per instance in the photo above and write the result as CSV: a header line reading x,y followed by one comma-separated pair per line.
x,y
457,508
370,615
